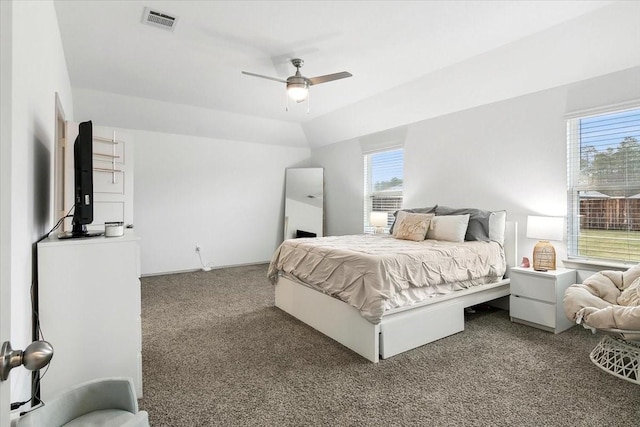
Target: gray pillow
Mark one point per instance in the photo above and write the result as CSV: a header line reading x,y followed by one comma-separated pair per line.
x,y
478,228
431,209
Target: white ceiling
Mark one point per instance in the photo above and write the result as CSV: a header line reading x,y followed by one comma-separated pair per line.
x,y
383,44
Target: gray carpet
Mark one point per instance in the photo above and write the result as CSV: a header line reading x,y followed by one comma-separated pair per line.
x,y
216,352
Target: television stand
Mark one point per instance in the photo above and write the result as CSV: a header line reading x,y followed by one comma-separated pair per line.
x,y
72,235
89,309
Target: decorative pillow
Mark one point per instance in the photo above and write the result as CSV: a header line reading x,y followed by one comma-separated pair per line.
x,y
412,226
630,275
631,295
431,209
497,225
478,228
483,225
451,228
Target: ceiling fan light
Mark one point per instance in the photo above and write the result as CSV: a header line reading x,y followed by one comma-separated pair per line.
x,y
298,91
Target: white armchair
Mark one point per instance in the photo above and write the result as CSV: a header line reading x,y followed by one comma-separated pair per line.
x,y
609,302
107,402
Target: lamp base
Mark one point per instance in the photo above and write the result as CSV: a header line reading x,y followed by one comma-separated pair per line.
x,y
544,256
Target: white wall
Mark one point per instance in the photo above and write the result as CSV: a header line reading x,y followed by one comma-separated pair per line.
x,y
38,71
506,155
132,112
509,155
343,187
226,196
594,44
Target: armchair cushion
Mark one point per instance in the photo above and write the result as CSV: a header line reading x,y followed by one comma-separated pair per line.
x,y
595,302
103,402
109,418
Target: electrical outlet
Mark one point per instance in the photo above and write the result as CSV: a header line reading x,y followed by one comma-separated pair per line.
x,y
197,248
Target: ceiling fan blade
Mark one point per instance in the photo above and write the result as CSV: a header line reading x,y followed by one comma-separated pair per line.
x,y
264,77
329,78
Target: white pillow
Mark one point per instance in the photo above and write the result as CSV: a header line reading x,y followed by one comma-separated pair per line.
x,y
497,225
411,226
451,228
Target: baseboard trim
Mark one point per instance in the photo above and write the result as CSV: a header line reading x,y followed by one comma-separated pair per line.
x,y
217,267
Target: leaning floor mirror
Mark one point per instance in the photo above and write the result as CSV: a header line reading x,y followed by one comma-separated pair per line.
x,y
304,203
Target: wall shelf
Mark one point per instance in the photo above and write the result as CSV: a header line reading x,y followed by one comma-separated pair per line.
x,y
110,156
111,141
113,170
107,170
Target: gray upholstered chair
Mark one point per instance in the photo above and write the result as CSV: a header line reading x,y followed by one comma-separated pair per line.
x,y
107,402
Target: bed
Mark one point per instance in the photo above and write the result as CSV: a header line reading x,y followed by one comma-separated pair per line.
x,y
380,295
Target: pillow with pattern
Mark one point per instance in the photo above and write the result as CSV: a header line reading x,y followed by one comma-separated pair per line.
x,y
427,210
412,226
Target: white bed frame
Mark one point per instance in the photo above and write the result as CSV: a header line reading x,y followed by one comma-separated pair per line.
x,y
400,329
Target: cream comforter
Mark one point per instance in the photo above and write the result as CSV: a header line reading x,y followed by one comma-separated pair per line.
x,y
377,272
597,302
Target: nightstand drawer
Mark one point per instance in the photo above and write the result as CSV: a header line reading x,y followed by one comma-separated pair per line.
x,y
535,287
538,312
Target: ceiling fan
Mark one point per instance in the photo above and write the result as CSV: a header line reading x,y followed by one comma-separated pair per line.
x,y
298,85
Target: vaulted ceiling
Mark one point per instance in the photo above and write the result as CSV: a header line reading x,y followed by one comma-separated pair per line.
x,y
197,66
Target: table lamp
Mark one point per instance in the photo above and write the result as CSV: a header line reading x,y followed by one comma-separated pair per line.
x,y
544,228
379,221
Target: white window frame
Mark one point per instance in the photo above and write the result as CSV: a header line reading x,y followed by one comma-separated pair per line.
x,y
369,193
574,186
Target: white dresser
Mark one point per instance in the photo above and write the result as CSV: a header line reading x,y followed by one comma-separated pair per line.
x,y
89,308
536,297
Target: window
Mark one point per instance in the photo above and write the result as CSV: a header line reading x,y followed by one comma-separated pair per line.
x,y
383,177
603,165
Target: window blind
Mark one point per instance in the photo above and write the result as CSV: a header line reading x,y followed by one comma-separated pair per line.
x,y
383,181
603,165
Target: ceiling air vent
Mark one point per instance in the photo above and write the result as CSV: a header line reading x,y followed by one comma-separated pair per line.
x,y
159,19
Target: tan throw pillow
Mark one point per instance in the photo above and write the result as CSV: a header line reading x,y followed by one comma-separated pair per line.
x,y
411,226
631,295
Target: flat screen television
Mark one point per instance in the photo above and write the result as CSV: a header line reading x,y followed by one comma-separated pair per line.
x,y
83,182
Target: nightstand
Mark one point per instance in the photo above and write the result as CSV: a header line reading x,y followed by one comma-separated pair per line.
x,y
536,298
